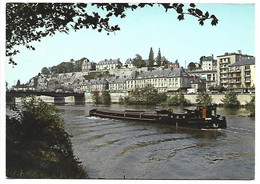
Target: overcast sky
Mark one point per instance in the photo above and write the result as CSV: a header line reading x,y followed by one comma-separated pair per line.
x,y
141,29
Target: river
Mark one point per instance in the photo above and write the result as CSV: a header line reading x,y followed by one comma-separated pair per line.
x,y
117,149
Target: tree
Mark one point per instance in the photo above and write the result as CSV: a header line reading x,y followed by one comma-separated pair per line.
x,y
159,58
191,66
250,106
230,99
151,58
177,100
105,98
96,99
203,99
45,71
138,61
28,22
37,145
18,84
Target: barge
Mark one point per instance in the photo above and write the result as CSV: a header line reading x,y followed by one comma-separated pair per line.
x,y
201,117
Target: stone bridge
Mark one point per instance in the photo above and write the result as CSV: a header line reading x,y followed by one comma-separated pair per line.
x,y
59,97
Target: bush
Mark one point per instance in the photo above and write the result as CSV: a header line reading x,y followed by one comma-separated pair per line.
x,y
177,100
203,99
37,145
145,96
105,98
96,99
230,99
250,106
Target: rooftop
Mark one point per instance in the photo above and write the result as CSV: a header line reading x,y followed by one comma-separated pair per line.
x,y
245,61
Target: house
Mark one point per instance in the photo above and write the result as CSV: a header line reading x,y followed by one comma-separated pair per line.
x,y
208,63
109,64
242,75
223,62
88,66
165,80
209,76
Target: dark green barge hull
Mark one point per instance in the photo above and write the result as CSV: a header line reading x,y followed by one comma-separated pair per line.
x,y
175,119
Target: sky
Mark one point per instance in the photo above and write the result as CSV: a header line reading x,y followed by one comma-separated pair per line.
x,y
142,29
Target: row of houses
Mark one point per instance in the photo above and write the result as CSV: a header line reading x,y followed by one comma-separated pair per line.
x,y
166,80
231,70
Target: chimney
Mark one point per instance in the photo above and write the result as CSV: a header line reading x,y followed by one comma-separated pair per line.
x,y
239,52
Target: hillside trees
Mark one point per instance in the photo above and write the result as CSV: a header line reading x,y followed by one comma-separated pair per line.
x,y
45,71
138,61
151,58
159,58
28,22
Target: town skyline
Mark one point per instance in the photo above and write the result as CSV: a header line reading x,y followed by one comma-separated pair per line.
x,y
173,37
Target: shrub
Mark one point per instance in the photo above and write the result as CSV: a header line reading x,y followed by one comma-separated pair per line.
x,y
250,106
37,145
105,98
177,100
230,99
203,99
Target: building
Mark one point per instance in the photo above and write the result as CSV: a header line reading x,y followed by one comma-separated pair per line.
x,y
223,62
209,76
117,84
242,75
129,63
208,63
109,64
198,84
88,66
174,65
167,80
92,85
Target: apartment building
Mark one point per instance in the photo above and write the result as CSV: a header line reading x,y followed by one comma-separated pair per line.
x,y
208,63
242,75
209,76
223,62
109,64
167,80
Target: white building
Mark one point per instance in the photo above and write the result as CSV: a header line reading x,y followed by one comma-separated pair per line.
x,y
109,64
167,80
208,63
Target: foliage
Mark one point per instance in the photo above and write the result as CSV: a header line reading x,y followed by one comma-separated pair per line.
x,y
144,96
105,98
77,67
217,88
250,106
37,145
96,98
159,58
151,58
138,61
121,100
230,99
203,99
45,71
94,75
28,22
165,62
18,84
177,100
191,66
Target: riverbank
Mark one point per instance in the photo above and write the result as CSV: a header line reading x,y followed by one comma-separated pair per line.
x,y
115,98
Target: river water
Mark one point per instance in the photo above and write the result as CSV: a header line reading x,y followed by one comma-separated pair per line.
x,y
117,149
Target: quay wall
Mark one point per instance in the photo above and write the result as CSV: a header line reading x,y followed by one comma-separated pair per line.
x,y
216,98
